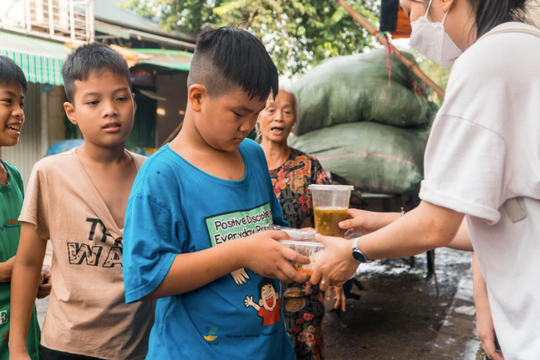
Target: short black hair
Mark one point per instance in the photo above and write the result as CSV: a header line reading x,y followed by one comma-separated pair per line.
x,y
89,59
10,72
266,281
226,57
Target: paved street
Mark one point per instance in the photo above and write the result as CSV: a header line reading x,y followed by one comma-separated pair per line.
x,y
399,315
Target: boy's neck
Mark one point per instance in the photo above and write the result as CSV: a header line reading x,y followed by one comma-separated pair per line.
x,y
276,153
190,145
189,140
102,155
4,176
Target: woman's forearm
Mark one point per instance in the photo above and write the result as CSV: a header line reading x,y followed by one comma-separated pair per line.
x,y
462,240
426,227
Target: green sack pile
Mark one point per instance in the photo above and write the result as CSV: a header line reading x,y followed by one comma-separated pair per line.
x,y
355,88
372,135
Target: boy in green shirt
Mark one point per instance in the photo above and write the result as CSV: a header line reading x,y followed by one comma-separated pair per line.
x,y
12,88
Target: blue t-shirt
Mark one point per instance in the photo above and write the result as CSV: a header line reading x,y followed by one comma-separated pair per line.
x,y
176,208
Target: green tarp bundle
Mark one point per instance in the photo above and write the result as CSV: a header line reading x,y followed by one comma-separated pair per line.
x,y
355,88
373,157
372,135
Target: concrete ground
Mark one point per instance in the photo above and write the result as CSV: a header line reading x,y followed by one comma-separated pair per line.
x,y
400,316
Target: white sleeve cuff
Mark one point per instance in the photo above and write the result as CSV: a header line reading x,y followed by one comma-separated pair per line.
x,y
430,194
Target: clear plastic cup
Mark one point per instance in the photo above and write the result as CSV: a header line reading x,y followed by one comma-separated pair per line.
x,y
330,207
312,250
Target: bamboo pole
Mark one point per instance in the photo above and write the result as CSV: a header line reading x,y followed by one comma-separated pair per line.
x,y
173,134
404,59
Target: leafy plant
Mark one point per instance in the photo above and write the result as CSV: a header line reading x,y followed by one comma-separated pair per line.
x,y
297,34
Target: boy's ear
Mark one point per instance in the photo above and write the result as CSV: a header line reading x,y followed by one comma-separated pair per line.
x,y
70,112
134,102
196,95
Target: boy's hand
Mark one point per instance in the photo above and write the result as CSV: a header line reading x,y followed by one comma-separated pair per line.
x,y
264,255
6,268
240,276
45,283
248,301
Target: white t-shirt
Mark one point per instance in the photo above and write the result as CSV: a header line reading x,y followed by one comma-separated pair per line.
x,y
484,149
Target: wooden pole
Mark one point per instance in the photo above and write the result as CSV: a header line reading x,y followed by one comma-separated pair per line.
x,y
404,59
173,134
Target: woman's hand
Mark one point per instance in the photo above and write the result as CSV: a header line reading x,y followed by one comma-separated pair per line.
x,y
486,334
484,321
367,221
336,265
45,284
340,301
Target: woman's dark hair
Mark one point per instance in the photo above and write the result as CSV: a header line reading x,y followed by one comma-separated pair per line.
x,y
491,13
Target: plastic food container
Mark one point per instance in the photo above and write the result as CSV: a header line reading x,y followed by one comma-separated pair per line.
x,y
313,250
330,207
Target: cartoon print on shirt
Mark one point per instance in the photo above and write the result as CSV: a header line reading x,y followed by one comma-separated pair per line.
x,y
235,225
269,306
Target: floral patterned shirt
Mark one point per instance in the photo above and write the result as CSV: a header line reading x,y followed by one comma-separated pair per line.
x,y
291,181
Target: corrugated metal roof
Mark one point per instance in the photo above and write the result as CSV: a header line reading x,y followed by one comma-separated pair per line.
x,y
112,12
172,59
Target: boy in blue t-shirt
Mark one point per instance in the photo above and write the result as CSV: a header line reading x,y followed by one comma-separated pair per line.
x,y
191,237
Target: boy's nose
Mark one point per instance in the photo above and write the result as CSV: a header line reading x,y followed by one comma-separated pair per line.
x,y
110,110
18,113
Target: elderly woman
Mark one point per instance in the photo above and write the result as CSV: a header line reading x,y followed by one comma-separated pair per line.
x,y
292,172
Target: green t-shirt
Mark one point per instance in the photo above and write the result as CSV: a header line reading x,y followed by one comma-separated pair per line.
x,y
11,200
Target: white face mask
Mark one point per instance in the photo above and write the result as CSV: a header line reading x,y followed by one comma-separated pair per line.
x,y
430,39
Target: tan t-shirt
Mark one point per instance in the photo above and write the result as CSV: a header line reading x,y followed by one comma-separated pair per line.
x,y
87,313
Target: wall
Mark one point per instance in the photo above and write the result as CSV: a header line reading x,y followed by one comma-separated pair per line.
x,y
43,126
56,117
170,113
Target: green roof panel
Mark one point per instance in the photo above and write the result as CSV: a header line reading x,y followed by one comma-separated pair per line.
x,y
40,60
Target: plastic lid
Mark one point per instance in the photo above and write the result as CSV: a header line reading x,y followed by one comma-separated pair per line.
x,y
331,187
302,243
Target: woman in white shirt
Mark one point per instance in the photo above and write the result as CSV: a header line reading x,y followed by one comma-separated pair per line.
x,y
482,161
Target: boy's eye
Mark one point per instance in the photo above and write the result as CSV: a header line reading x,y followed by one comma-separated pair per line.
x,y
7,100
122,99
92,103
21,105
237,114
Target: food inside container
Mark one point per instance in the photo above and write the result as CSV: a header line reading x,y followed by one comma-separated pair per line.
x,y
313,250
327,220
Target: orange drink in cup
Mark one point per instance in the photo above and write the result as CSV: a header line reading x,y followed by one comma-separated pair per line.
x,y
330,207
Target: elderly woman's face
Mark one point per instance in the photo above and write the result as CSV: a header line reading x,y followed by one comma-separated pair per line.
x,y
277,119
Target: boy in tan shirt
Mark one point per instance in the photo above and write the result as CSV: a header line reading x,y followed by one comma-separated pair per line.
x,y
77,200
